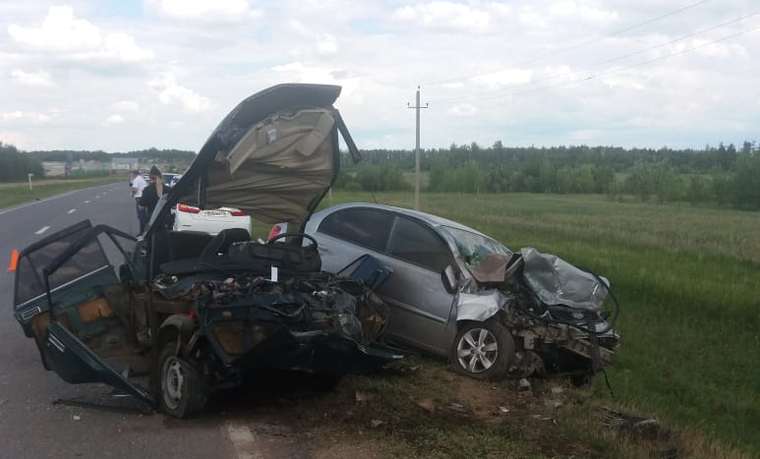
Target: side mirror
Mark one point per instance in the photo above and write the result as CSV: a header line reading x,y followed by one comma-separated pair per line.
x,y
449,278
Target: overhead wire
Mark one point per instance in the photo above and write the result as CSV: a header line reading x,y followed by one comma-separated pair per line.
x,y
577,45
617,58
621,69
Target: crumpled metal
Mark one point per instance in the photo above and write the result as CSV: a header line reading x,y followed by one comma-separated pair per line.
x,y
558,283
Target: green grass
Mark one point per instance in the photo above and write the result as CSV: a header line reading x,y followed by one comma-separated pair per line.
x,y
689,283
12,194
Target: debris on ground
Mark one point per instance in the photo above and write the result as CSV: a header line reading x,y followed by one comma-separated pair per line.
x,y
361,397
76,417
376,423
426,404
644,427
524,384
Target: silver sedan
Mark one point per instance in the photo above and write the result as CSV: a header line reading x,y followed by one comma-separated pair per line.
x,y
460,294
426,253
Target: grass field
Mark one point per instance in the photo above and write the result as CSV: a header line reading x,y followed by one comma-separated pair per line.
x,y
12,194
689,283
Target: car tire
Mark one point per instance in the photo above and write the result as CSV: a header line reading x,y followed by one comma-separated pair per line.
x,y
482,350
182,388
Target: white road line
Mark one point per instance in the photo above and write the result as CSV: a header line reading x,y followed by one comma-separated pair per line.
x,y
42,230
71,211
87,202
243,441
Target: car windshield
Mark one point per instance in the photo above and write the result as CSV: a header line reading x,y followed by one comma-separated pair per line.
x,y
473,247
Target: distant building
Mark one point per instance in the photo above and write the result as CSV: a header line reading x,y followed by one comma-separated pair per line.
x,y
54,168
124,164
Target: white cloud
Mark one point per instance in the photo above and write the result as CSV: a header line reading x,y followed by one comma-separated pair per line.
x,y
531,18
327,45
445,15
171,92
463,110
114,119
67,36
19,115
38,79
506,77
706,48
584,12
624,82
205,10
14,138
126,106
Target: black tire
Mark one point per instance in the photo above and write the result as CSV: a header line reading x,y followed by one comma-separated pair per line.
x,y
182,390
484,360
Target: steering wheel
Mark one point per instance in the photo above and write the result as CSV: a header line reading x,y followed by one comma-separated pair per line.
x,y
301,235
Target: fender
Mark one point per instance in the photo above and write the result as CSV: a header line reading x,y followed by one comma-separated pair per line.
x,y
182,323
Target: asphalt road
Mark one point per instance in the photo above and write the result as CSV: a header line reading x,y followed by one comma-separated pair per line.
x,y
42,416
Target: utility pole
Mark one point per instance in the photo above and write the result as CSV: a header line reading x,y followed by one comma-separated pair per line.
x,y
417,108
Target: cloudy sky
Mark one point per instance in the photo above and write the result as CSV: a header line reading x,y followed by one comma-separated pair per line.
x,y
130,74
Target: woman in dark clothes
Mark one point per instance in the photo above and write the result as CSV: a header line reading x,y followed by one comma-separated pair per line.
x,y
153,192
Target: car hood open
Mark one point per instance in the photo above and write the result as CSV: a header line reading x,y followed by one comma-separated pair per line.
x,y
274,156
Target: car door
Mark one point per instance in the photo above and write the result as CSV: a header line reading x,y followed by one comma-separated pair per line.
x,y
415,291
69,297
349,233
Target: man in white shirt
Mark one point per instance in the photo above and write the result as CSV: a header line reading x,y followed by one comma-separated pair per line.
x,y
138,185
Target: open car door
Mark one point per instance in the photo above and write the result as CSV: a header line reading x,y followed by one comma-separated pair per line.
x,y
72,300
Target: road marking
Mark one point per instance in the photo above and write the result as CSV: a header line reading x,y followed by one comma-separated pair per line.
x,y
42,230
87,202
71,211
243,441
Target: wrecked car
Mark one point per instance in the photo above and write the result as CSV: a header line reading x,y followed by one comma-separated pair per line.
x,y
170,316
460,294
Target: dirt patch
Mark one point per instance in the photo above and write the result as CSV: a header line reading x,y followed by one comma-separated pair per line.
x,y
421,409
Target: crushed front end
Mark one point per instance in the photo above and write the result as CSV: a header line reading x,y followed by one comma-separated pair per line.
x,y
560,316
315,322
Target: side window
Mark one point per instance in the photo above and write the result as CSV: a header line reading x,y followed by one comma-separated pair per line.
x,y
418,244
366,227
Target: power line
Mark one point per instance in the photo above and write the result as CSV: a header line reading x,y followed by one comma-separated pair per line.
x,y
621,69
579,45
622,57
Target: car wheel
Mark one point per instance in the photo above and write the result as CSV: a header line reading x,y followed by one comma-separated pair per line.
x,y
183,391
483,350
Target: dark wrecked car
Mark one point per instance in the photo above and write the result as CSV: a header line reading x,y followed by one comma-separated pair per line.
x,y
190,312
460,294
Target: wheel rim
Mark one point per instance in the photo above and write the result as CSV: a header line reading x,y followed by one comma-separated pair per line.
x,y
477,350
172,382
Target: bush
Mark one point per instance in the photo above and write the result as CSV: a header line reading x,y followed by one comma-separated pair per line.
x,y
380,178
14,165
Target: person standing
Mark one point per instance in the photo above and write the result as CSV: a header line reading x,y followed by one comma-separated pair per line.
x,y
153,192
138,186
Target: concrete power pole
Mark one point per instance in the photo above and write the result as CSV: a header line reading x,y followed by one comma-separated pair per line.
x,y
417,108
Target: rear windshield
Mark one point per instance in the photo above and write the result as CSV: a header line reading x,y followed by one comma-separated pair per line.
x,y
29,274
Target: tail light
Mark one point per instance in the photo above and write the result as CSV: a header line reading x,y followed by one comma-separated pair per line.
x,y
188,209
279,228
238,213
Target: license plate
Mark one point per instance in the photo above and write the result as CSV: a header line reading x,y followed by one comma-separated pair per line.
x,y
214,213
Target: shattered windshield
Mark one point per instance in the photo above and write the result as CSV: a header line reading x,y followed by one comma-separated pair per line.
x,y
474,248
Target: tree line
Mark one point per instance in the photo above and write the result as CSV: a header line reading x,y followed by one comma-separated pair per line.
x,y
723,174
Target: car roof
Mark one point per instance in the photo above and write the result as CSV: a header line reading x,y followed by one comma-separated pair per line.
x,y
432,220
